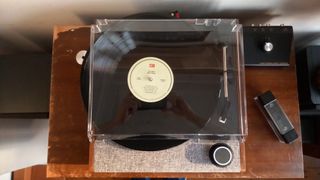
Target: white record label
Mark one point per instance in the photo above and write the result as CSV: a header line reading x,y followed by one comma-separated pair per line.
x,y
150,79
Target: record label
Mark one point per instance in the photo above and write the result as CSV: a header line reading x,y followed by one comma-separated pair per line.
x,y
150,79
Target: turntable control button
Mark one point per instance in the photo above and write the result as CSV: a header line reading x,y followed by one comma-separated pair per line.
x,y
268,46
221,155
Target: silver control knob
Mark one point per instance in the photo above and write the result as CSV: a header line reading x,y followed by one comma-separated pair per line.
x,y
268,46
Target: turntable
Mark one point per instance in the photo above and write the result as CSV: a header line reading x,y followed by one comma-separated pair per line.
x,y
165,95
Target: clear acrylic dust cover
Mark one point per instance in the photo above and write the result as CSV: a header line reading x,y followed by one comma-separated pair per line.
x,y
175,78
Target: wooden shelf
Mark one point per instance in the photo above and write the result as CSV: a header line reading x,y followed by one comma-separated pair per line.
x,y
68,149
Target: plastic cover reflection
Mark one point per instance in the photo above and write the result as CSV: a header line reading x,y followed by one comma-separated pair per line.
x,y
204,98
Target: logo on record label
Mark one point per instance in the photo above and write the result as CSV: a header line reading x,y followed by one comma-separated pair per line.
x,y
150,79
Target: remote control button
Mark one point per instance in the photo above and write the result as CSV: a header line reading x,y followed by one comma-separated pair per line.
x,y
221,155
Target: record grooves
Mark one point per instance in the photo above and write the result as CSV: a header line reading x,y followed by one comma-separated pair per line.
x,y
153,143
143,143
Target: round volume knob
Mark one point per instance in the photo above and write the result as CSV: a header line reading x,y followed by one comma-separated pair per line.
x,y
268,46
221,155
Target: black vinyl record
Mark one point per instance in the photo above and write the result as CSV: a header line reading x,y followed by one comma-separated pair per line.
x,y
144,143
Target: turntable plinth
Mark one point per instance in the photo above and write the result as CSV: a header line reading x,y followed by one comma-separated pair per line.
x,y
69,148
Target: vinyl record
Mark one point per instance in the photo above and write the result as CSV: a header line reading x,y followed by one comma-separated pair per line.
x,y
150,143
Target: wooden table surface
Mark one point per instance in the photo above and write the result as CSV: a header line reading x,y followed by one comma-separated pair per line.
x,y
68,149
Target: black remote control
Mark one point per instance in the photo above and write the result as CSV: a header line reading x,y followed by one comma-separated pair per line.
x,y
276,117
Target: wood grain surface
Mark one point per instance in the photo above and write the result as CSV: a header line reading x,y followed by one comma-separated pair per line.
x,y
68,149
